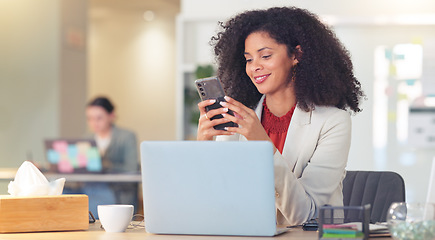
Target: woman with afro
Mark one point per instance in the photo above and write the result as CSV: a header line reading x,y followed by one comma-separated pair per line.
x,y
290,81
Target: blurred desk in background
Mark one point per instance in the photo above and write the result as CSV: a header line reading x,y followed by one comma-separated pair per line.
x,y
74,182
8,174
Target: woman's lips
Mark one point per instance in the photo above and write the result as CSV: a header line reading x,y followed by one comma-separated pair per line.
x,y
260,79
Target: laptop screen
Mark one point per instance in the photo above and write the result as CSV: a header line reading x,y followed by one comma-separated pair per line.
x,y
73,155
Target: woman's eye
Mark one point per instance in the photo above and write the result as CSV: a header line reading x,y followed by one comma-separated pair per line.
x,y
248,60
267,56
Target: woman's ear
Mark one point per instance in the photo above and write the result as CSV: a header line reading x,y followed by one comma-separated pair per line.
x,y
298,53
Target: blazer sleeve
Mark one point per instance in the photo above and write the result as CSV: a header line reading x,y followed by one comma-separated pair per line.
x,y
122,152
130,153
314,178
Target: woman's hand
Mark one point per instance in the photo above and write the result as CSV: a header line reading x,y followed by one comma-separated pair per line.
x,y
205,124
249,124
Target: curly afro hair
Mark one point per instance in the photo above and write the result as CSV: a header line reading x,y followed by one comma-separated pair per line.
x,y
324,75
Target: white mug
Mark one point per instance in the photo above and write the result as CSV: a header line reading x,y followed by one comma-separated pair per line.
x,y
116,217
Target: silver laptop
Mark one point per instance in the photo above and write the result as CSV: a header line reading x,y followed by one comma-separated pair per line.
x,y
209,188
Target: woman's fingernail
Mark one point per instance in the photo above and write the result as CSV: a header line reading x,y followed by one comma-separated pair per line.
x,y
223,104
212,100
227,98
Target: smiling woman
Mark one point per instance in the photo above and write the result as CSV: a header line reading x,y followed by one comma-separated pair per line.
x,y
270,67
290,81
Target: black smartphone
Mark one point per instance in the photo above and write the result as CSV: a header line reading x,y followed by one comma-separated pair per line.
x,y
310,225
211,88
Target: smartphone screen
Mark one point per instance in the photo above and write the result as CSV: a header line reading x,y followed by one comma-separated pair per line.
x,y
211,88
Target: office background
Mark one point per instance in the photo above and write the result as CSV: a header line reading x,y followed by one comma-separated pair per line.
x,y
57,54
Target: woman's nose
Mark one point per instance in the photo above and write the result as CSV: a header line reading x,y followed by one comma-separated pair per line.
x,y
256,66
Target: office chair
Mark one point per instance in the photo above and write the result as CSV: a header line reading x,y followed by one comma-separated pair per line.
x,y
377,188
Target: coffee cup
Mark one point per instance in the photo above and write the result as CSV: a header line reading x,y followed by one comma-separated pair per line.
x,y
116,217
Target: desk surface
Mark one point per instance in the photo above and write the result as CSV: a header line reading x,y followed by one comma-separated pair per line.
x,y
95,232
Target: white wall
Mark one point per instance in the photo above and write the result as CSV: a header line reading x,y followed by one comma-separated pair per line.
x,y
225,8
413,164
132,61
42,77
29,70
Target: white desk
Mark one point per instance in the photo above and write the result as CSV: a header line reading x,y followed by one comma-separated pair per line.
x,y
96,177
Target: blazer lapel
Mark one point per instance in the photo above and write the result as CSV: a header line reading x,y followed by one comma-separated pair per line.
x,y
296,133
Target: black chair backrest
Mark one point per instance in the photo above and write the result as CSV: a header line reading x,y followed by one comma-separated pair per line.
x,y
377,188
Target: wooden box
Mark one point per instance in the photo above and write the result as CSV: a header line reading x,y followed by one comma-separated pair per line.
x,y
43,213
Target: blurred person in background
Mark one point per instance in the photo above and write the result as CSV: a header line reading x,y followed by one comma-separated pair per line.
x,y
118,150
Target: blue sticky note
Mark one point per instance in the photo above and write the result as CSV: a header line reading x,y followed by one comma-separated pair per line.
x,y
72,151
94,160
53,156
94,164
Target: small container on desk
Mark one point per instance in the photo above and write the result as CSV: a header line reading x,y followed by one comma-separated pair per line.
x,y
346,222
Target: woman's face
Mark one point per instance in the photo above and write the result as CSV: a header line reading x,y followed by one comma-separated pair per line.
x,y
99,120
267,63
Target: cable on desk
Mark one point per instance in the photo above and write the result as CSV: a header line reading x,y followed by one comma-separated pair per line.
x,y
133,223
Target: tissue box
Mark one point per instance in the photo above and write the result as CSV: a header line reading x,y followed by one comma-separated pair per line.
x,y
43,213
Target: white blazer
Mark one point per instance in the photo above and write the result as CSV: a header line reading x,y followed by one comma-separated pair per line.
x,y
310,171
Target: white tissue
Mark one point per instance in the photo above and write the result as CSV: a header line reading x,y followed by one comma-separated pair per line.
x,y
29,181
